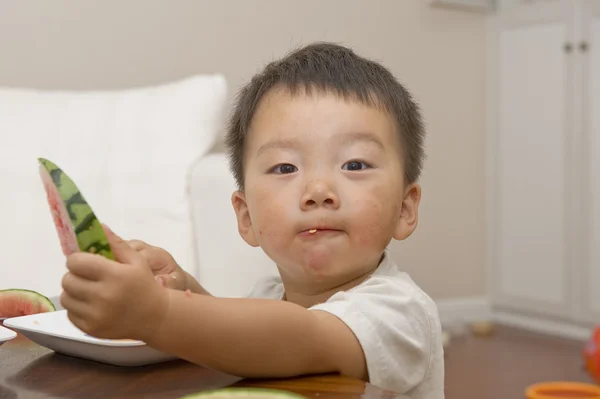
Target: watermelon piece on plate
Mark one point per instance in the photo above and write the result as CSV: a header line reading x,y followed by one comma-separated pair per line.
x,y
20,302
241,393
79,230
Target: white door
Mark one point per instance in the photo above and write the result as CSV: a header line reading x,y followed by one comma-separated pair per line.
x,y
589,52
530,227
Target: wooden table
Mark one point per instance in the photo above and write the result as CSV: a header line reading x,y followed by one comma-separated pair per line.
x,y
28,370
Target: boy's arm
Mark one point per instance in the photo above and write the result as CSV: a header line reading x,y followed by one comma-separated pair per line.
x,y
256,337
193,285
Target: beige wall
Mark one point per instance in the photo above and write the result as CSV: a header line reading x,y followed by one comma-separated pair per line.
x,y
438,54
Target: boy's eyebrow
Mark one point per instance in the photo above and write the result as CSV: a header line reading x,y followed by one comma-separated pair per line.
x,y
362,136
277,144
344,138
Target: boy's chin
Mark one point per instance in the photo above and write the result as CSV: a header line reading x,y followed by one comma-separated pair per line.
x,y
321,261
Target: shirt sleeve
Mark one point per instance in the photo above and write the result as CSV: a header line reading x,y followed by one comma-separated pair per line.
x,y
269,287
392,320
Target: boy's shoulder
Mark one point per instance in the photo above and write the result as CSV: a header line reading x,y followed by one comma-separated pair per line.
x,y
389,292
396,323
398,327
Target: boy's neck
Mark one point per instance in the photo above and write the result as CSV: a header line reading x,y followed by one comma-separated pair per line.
x,y
305,297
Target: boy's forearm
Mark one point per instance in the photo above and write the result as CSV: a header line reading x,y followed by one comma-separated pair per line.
x,y
243,337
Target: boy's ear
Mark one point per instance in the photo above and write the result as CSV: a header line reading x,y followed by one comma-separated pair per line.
x,y
409,213
240,206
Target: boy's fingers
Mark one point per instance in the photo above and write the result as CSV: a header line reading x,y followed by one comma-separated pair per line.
x,y
87,266
138,245
73,305
78,320
122,251
168,281
77,287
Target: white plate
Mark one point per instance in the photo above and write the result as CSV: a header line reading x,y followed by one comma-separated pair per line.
x,y
6,335
55,331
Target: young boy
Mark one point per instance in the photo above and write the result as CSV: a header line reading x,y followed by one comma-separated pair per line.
x,y
327,148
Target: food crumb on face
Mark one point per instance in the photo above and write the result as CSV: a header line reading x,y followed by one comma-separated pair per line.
x,y
188,293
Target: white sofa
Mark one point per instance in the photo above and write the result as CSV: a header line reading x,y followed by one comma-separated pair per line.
x,y
226,265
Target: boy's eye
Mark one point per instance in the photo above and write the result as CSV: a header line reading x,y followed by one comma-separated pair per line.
x,y
355,165
284,168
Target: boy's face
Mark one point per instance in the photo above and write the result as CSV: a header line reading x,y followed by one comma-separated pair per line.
x,y
324,191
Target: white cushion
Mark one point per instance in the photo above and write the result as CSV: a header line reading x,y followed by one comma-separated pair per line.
x,y
227,266
129,151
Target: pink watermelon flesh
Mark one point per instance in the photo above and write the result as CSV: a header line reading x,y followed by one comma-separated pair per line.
x,y
15,303
64,228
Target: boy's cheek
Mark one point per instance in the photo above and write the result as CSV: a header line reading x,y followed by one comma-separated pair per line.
x,y
374,222
272,225
269,208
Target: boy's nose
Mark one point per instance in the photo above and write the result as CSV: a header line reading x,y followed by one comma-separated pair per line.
x,y
318,194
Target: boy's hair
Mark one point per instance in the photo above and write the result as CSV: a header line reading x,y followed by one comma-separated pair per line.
x,y
330,67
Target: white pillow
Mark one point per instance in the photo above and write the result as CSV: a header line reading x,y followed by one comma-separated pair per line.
x,y
129,151
227,265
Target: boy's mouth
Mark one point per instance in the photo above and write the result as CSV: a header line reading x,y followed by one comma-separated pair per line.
x,y
318,231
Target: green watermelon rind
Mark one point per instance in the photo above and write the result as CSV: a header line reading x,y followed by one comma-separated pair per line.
x,y
86,226
32,296
256,393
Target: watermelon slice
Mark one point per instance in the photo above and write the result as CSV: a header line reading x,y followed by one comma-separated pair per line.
x,y
18,302
240,393
77,226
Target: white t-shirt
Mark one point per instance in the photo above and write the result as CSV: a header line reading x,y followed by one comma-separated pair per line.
x,y
397,325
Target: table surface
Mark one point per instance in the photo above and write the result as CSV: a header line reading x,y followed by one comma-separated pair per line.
x,y
28,370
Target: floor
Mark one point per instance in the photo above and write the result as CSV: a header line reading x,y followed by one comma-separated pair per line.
x,y
503,365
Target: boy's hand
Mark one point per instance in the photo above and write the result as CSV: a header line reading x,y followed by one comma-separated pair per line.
x,y
113,299
164,267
